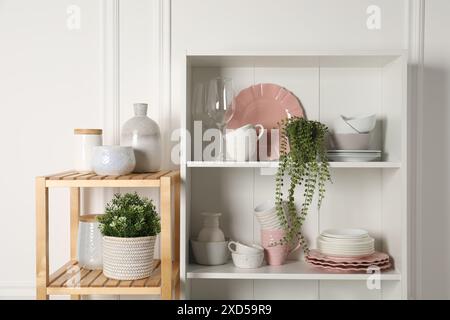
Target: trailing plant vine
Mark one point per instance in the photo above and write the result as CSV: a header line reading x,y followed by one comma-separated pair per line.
x,y
304,159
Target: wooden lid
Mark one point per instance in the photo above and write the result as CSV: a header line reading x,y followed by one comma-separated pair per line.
x,y
89,217
88,131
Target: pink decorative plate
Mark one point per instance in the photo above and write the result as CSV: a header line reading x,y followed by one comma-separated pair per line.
x,y
266,104
373,258
383,267
342,265
346,265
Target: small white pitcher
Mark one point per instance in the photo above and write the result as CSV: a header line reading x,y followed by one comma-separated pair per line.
x,y
242,143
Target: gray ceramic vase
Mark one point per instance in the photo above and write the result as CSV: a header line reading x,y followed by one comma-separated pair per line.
x,y
144,135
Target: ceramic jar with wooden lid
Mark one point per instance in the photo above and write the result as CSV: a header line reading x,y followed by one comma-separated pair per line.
x,y
85,141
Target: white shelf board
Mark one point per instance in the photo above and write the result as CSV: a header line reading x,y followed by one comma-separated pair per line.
x,y
292,270
274,164
294,59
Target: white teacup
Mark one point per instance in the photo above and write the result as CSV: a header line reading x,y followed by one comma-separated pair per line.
x,y
248,261
244,249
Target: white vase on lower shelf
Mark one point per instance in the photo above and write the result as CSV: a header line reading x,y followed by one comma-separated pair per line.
x,y
89,243
211,231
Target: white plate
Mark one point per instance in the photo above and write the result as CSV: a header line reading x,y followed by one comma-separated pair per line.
x,y
345,244
347,255
345,249
326,251
353,159
354,151
345,233
364,240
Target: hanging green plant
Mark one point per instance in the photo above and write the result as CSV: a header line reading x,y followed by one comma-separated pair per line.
x,y
304,159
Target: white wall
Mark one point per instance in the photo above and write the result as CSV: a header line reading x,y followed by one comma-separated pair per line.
x,y
436,153
50,83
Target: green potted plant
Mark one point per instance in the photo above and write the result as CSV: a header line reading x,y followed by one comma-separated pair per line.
x,y
129,228
304,159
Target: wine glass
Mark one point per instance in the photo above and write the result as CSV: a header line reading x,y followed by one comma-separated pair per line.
x,y
198,106
220,106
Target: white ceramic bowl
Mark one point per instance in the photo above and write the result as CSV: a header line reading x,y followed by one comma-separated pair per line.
x,y
248,261
113,160
210,253
350,141
362,124
241,248
273,218
269,223
267,207
340,126
358,124
270,226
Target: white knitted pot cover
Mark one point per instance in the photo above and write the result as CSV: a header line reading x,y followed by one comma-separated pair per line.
x,y
128,258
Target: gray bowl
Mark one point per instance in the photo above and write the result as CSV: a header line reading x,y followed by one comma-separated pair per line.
x,y
210,253
350,141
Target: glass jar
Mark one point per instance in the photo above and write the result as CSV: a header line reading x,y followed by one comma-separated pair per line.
x,y
85,140
90,243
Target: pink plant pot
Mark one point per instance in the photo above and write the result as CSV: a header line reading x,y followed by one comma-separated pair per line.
x,y
276,256
270,238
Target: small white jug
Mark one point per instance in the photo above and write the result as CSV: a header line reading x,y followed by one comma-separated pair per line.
x,y
242,143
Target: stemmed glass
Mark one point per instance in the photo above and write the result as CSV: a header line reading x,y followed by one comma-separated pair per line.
x,y
220,106
198,106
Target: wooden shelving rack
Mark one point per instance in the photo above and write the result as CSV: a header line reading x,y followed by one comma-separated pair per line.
x,y
75,281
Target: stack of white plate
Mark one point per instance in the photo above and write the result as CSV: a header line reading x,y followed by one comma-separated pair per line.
x,y
346,243
354,155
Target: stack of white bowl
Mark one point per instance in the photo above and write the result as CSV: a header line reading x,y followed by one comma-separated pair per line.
x,y
266,214
353,133
246,256
346,243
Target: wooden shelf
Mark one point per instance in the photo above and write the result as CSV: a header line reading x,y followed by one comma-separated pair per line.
x,y
73,280
292,270
91,180
274,164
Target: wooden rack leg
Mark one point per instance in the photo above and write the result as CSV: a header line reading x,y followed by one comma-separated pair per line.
x,y
177,235
74,222
42,261
166,238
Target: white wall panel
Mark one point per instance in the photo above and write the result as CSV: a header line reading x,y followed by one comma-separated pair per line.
x,y
50,83
436,153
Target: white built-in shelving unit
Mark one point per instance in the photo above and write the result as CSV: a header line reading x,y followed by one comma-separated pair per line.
x,y
274,164
369,195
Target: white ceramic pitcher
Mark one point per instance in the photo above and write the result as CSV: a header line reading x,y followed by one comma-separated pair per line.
x,y
242,143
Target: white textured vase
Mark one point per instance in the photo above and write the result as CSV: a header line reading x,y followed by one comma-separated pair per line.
x,y
144,135
211,231
128,258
